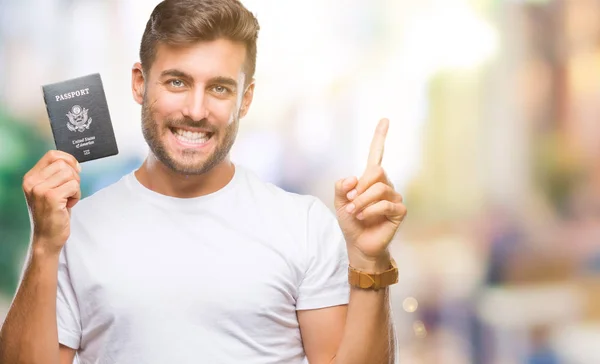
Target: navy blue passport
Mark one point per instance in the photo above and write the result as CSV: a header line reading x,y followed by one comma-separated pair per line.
x,y
79,118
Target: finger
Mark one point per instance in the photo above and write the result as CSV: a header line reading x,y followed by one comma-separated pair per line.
x,y
58,165
52,156
377,144
371,176
394,212
73,200
342,187
57,179
68,193
377,192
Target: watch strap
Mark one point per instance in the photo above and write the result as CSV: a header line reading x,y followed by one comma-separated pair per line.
x,y
373,281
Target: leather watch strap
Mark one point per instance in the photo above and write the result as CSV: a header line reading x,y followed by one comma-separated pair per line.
x,y
373,281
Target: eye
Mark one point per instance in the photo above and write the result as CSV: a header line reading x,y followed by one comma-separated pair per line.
x,y
176,83
221,89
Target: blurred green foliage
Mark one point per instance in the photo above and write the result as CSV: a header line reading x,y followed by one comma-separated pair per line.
x,y
21,146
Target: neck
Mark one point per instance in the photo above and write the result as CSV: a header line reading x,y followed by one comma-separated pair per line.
x,y
157,177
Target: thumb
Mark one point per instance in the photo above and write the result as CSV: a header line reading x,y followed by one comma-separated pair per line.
x,y
342,187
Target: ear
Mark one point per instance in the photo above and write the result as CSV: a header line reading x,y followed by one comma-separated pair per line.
x,y
247,99
137,83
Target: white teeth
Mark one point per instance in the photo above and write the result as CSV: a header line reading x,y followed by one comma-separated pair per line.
x,y
191,137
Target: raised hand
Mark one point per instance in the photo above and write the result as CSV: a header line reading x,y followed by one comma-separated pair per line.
x,y
51,188
369,210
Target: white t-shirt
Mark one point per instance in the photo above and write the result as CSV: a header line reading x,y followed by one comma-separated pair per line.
x,y
147,278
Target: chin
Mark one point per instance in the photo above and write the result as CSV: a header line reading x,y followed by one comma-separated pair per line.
x,y
186,166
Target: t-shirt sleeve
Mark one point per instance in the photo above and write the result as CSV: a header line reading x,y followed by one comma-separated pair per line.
x,y
325,281
67,309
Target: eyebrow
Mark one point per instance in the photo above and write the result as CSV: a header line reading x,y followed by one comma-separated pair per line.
x,y
227,81
175,73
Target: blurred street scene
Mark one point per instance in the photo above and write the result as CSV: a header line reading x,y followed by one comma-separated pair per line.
x,y
494,142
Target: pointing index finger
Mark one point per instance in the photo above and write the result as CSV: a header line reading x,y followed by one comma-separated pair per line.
x,y
376,150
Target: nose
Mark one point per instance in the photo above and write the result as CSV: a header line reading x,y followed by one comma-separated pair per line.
x,y
195,107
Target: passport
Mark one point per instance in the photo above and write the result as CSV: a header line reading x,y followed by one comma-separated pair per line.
x,y
79,118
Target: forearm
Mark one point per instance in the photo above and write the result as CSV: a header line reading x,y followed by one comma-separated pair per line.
x,y
368,336
29,333
369,333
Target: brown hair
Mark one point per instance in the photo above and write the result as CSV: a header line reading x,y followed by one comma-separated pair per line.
x,y
184,22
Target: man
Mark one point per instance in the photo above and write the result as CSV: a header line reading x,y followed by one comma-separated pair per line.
x,y
191,259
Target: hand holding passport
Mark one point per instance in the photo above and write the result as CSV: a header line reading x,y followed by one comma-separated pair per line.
x,y
80,119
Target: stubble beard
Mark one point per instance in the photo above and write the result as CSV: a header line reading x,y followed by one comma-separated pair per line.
x,y
155,133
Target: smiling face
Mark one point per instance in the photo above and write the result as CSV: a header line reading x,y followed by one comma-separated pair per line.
x,y
192,98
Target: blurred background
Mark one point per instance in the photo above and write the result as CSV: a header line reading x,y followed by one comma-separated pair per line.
x,y
494,143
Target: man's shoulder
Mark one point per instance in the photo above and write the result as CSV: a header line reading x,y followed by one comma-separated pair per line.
x,y
270,189
273,196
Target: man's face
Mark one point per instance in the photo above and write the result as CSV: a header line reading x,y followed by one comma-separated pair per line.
x,y
192,100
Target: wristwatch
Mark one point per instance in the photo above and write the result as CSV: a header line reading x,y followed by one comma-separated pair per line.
x,y
373,281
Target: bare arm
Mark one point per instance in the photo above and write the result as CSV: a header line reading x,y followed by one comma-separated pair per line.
x,y
322,330
66,354
369,213
361,332
369,331
29,334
